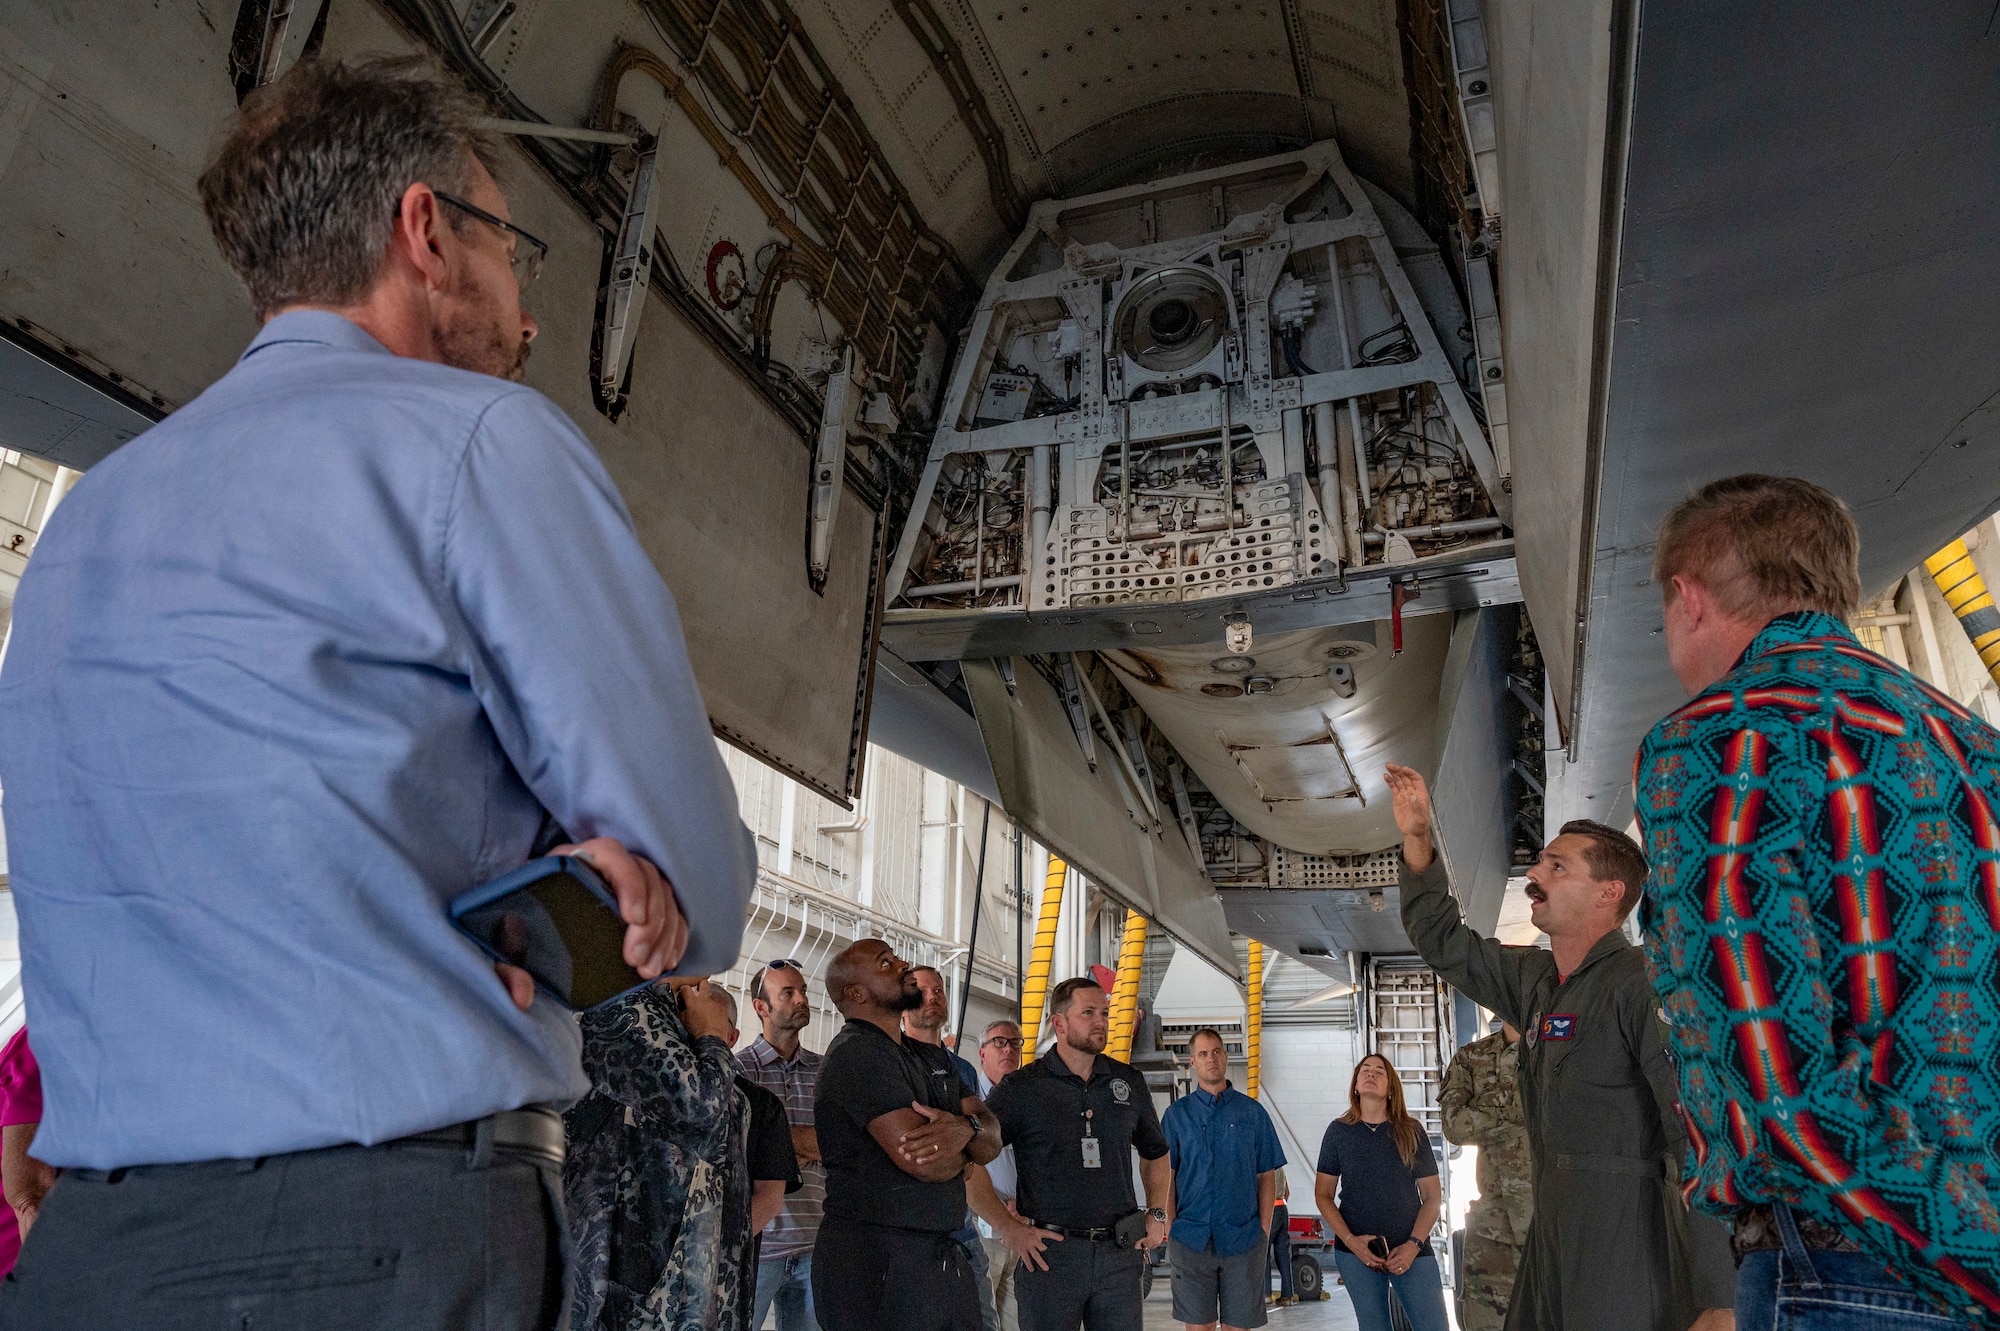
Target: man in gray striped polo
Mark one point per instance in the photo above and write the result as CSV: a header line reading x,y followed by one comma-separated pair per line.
x,y
777,1061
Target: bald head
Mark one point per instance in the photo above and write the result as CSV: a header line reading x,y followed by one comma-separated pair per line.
x,y
869,980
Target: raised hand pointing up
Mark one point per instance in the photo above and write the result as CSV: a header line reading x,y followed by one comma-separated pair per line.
x,y
1412,800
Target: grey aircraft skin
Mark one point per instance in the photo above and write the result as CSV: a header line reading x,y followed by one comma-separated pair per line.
x,y
1156,418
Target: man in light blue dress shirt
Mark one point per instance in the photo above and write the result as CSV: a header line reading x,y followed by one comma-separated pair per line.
x,y
318,653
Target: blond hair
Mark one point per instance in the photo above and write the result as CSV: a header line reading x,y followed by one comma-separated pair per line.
x,y
1401,1124
1763,546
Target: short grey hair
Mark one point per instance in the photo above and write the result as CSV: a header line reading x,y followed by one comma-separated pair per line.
x,y
728,1000
993,1026
302,193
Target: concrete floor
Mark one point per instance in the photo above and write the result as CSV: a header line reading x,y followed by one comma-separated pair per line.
x,y
1334,1314
1330,1314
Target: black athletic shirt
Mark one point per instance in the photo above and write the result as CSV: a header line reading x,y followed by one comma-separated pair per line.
x,y
869,1073
771,1155
1378,1192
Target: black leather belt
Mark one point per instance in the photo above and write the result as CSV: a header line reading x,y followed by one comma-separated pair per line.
x,y
536,1131
1101,1233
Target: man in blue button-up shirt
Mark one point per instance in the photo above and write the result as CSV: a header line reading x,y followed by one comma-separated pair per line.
x,y
291,671
1226,1160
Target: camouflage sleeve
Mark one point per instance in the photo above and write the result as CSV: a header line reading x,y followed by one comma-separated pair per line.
x,y
1476,1111
1456,1101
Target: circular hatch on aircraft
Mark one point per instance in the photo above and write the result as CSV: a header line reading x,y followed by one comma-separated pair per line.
x,y
1172,318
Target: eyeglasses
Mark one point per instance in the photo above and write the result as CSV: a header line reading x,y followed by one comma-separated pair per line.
x,y
1005,1042
528,251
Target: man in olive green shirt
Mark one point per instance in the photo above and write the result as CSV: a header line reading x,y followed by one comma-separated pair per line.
x,y
1611,1246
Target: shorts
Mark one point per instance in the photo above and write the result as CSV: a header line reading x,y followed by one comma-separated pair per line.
x,y
1204,1283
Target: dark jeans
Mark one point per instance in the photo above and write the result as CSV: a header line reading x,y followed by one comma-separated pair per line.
x,y
1281,1249
401,1237
1089,1282
873,1278
1811,1289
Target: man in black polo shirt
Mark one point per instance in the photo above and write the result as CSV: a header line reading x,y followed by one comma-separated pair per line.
x,y
897,1128
1074,1118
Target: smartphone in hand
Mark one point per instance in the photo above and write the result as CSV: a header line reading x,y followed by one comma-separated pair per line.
x,y
557,920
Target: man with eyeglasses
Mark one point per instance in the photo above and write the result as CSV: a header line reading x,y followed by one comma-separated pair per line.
x,y
925,1023
999,1054
780,1064
361,627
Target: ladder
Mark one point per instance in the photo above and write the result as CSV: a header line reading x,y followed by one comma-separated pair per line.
x,y
1409,1023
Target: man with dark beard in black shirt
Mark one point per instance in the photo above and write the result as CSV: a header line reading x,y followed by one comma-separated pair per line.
x,y
897,1128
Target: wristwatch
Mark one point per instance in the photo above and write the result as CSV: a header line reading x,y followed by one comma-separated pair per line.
x,y
1156,1213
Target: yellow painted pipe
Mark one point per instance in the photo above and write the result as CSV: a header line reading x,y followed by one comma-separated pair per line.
x,y
1253,1026
1965,592
1125,990
1035,989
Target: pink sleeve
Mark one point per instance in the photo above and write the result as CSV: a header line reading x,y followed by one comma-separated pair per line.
x,y
20,1083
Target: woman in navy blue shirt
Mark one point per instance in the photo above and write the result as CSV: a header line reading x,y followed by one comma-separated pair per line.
x,y
1379,1160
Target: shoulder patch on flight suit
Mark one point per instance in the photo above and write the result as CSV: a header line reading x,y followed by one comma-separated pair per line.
x,y
1558,1026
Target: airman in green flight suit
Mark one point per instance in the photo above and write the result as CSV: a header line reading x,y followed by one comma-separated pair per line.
x,y
1611,1246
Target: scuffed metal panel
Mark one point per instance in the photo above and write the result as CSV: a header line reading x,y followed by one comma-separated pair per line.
x,y
1551,67
1080,814
106,118
911,716
1809,285
717,488
1471,796
106,115
1335,733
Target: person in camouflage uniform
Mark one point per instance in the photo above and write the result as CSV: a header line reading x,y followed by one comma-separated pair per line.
x,y
1482,1108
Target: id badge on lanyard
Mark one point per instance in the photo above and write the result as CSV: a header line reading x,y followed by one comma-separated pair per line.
x,y
1093,1154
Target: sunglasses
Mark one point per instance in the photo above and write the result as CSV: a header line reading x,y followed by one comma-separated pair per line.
x,y
785,963
528,251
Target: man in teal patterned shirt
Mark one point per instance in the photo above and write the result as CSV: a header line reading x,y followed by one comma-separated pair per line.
x,y
1823,927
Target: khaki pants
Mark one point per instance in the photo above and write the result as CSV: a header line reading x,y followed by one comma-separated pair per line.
x,y
1000,1266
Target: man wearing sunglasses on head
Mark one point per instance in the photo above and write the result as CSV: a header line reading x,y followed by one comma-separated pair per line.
x,y
323,650
780,1064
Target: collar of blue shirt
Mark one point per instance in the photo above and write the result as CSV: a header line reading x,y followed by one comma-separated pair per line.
x,y
323,327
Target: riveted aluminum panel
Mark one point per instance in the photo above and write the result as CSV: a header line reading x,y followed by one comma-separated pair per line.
x,y
1082,815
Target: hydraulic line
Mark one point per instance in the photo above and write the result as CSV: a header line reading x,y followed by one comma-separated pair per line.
x,y
1035,993
1125,990
1957,577
1253,1024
